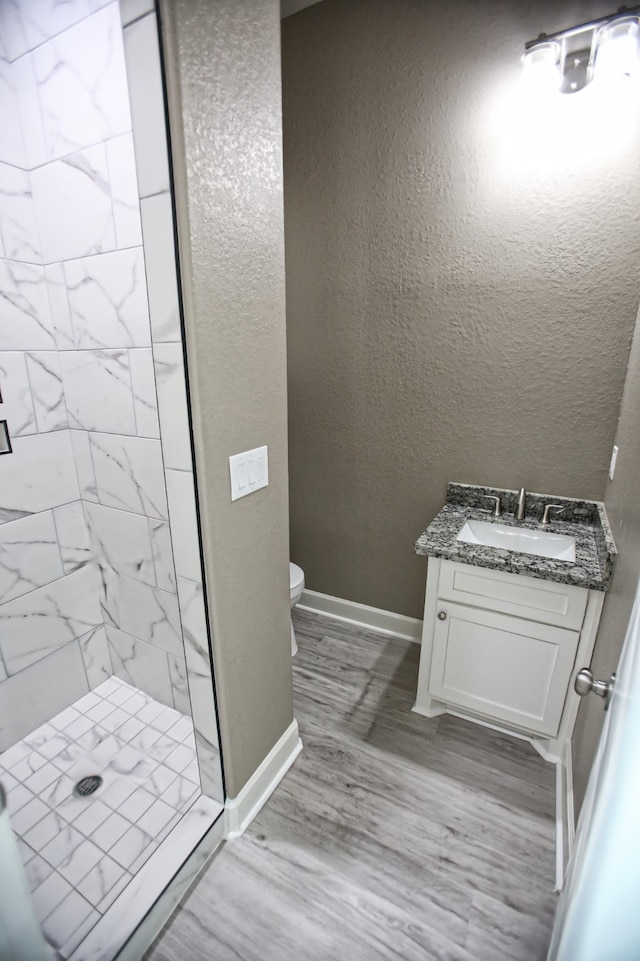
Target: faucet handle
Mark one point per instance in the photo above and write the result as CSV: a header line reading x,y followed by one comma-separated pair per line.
x,y
497,510
547,507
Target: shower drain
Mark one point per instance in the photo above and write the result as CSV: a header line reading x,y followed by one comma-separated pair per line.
x,y
87,785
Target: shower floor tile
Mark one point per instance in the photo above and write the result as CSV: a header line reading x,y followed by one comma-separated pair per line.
x,y
81,852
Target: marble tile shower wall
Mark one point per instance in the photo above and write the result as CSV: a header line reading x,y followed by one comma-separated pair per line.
x,y
87,575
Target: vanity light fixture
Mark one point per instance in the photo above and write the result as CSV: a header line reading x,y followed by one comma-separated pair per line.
x,y
601,51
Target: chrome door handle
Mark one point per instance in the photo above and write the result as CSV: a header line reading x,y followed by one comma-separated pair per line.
x,y
442,615
586,684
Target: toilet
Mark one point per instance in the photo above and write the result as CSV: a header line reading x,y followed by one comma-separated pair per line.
x,y
296,587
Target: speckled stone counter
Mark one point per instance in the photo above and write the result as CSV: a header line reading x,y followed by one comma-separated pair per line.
x,y
584,520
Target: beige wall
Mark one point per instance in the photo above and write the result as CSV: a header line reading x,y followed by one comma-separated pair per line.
x,y
223,69
458,307
623,509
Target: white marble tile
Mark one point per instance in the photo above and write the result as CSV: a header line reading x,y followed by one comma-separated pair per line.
x,y
96,655
29,815
82,84
180,793
110,934
46,386
73,536
172,406
16,394
71,913
108,300
144,392
97,387
48,895
80,861
162,555
39,474
61,326
130,846
73,205
129,474
147,105
84,465
136,805
179,686
17,218
144,612
37,870
110,831
96,885
24,79
26,317
43,621
121,542
29,555
30,697
132,9
11,143
92,817
160,259
124,191
64,718
45,831
184,524
140,663
24,26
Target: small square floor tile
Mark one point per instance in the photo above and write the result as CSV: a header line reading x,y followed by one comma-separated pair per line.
x,y
110,831
156,818
136,805
65,919
42,778
62,846
179,758
95,814
48,895
80,861
37,871
96,885
29,764
45,831
87,702
61,720
28,816
14,754
130,847
17,798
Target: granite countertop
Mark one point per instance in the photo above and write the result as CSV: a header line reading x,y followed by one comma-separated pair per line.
x,y
584,520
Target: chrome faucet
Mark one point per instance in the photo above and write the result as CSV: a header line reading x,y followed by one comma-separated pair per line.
x,y
551,507
522,503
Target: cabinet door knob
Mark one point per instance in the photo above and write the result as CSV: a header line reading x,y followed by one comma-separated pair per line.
x,y
442,615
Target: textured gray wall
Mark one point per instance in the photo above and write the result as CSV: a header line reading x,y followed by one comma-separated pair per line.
x,y
454,311
223,70
622,501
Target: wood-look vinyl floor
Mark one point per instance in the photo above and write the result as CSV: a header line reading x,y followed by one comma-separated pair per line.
x,y
393,836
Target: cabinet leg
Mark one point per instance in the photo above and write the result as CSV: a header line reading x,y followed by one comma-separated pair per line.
x,y
428,707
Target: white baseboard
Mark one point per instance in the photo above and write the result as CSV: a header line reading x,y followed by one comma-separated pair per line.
x,y
241,810
565,813
373,618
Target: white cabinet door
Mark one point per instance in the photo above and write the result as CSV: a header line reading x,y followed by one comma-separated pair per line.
x,y
505,668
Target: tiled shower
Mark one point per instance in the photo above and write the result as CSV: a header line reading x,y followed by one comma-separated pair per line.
x,y
105,669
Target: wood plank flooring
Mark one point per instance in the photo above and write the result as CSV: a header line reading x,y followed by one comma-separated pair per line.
x,y
392,837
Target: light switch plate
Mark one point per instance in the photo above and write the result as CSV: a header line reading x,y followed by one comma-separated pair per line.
x,y
612,465
249,471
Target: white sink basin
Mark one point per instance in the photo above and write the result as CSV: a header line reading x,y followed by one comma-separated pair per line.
x,y
559,546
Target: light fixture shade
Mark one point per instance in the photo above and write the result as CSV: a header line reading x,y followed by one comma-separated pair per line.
x,y
541,71
617,49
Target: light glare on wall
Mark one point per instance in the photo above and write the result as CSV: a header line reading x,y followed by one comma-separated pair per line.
x,y
600,52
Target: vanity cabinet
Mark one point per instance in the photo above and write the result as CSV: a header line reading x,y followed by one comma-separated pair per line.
x,y
504,648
